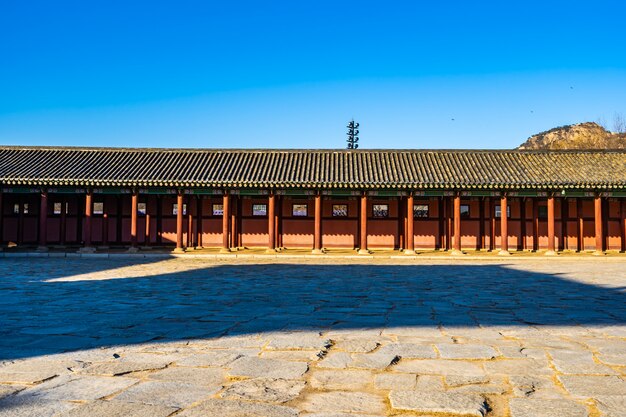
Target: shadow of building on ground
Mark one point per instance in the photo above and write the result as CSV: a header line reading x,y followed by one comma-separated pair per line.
x,y
43,311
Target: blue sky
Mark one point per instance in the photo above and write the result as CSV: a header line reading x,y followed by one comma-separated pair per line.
x,y
415,74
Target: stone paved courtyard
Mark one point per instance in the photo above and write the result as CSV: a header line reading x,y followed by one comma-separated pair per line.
x,y
191,337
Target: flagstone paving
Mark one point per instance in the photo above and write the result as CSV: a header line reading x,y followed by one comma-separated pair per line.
x,y
315,338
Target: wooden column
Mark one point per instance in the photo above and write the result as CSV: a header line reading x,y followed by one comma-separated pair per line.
x,y
563,243
622,223
234,203
579,225
190,234
599,250
146,239
480,239
20,221
118,219
239,222
317,233
363,226
410,235
179,223
492,223
457,225
522,215
271,220
87,230
535,225
43,222
1,219
159,220
199,221
63,222
449,222
441,221
225,222
105,229
551,250
504,227
134,200
278,222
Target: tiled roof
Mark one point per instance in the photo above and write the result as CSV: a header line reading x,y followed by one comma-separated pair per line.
x,y
404,169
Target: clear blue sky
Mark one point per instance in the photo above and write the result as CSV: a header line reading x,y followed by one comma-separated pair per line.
x,y
455,74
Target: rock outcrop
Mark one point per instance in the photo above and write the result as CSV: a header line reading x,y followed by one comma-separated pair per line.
x,y
578,136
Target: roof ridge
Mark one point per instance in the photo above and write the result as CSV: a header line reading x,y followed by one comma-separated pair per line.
x,y
308,150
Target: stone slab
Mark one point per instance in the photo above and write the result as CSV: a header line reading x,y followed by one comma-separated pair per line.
x,y
119,409
81,388
265,390
438,402
209,377
466,351
267,368
535,407
169,394
229,408
343,402
341,379
591,386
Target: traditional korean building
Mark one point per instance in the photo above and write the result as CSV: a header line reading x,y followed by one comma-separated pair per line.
x,y
315,199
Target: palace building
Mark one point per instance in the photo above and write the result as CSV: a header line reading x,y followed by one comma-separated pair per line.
x,y
501,200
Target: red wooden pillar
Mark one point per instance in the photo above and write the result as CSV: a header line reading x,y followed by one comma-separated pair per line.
x,y
63,222
579,225
225,222
522,215
146,239
410,236
551,250
441,225
43,222
504,227
233,222
492,224
317,234
105,230
456,249
179,223
599,250
535,224
1,219
133,220
278,222
363,226
271,223
190,242
199,221
622,224
480,241
87,230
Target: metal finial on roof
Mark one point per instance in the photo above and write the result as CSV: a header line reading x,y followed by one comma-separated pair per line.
x,y
353,131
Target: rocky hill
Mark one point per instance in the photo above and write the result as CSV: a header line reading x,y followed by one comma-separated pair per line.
x,y
579,136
